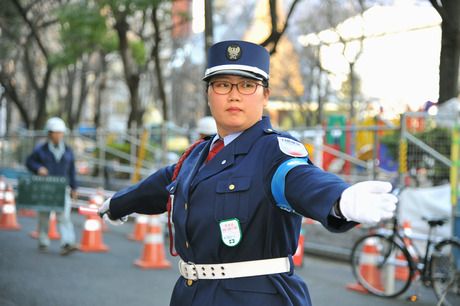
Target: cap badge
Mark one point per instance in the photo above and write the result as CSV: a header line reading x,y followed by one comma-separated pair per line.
x,y
233,52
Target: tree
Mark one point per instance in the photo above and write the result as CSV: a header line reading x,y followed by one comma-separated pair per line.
x,y
450,48
277,31
33,59
82,22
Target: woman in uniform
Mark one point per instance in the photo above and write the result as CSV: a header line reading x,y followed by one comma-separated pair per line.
x,y
238,197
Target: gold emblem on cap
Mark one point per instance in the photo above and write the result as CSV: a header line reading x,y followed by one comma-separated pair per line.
x,y
231,187
233,52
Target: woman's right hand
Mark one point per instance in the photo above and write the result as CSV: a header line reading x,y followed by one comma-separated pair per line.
x,y
104,213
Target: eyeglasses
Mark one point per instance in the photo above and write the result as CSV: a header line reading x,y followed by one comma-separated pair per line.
x,y
243,87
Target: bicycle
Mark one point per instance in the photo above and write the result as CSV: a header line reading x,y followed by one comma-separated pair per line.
x,y
385,262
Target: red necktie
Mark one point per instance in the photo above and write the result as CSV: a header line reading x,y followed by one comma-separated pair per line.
x,y
218,145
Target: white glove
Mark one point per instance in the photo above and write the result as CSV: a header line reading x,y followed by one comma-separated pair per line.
x,y
104,212
368,202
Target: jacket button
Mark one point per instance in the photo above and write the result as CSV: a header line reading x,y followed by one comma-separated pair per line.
x,y
185,206
189,282
186,244
231,187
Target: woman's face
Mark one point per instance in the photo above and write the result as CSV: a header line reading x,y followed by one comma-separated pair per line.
x,y
236,112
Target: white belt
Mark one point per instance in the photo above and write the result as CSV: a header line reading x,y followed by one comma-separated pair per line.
x,y
235,269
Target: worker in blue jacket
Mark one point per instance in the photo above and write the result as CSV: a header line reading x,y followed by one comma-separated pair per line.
x,y
237,197
55,158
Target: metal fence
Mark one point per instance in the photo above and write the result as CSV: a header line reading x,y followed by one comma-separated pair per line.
x,y
418,148
105,159
425,148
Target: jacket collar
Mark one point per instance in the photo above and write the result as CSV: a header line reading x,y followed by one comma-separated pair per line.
x,y
244,142
226,157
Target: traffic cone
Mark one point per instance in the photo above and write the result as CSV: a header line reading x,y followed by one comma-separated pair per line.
x,y
402,270
298,255
8,220
140,228
153,255
91,238
96,201
368,268
2,191
53,233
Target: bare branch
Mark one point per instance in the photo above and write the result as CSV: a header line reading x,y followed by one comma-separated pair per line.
x,y
275,35
32,28
438,8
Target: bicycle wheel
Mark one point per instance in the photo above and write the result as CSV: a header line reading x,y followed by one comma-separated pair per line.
x,y
382,266
445,272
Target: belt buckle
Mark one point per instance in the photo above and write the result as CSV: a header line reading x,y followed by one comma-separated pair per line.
x,y
188,270
194,272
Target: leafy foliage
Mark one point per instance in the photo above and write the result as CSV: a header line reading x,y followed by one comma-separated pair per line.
x,y
83,30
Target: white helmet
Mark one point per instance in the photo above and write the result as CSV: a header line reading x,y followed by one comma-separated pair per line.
x,y
55,124
206,126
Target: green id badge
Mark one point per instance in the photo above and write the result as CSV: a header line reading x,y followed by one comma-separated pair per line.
x,y
230,231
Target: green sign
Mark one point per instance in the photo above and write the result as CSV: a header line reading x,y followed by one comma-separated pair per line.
x,y
42,193
336,130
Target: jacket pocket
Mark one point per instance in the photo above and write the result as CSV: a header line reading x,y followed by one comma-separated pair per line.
x,y
232,199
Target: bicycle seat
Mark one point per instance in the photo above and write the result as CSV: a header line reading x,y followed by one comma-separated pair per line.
x,y
435,221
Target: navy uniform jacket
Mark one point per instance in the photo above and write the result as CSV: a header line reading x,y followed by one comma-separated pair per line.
x,y
42,157
202,198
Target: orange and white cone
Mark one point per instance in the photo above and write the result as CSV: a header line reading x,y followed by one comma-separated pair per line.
x,y
368,268
53,233
91,238
402,270
153,255
96,201
8,220
298,255
140,228
2,191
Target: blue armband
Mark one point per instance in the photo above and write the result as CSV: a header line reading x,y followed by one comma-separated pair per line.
x,y
279,182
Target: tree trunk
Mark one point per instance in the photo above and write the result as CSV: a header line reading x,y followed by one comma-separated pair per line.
x,y
158,71
449,62
83,91
208,41
130,70
42,95
8,83
319,117
352,91
69,95
99,93
450,48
